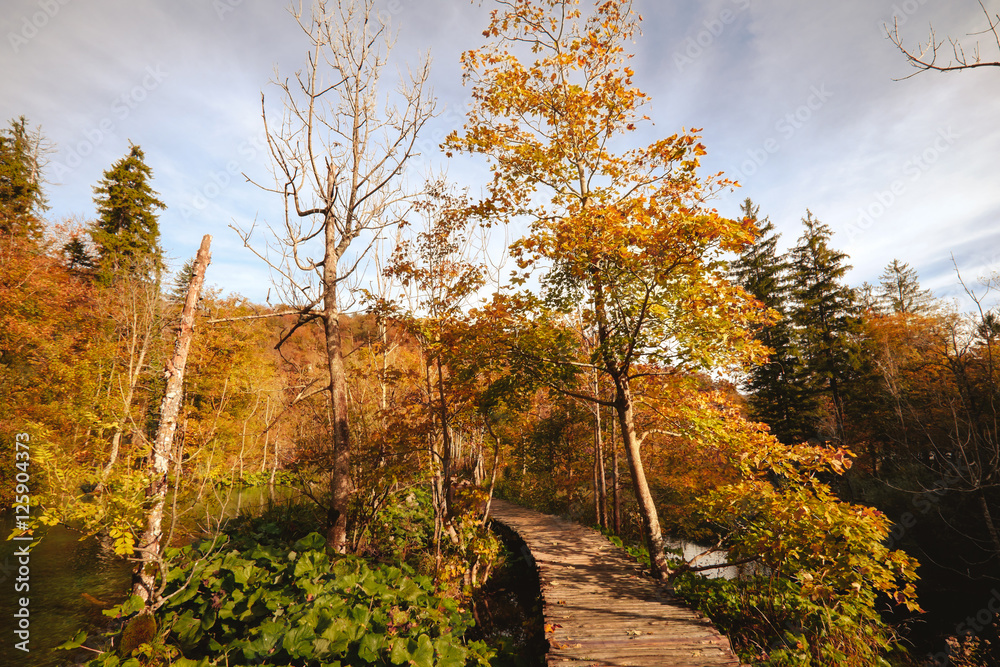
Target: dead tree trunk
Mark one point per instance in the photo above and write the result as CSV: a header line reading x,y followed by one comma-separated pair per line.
x,y
151,544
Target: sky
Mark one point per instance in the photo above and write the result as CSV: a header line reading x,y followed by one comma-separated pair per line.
x,y
803,102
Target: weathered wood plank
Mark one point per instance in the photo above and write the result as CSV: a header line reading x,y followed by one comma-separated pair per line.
x,y
600,610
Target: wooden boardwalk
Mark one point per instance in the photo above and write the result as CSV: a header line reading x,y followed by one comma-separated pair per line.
x,y
599,609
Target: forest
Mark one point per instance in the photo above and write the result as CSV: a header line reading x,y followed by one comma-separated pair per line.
x,y
635,361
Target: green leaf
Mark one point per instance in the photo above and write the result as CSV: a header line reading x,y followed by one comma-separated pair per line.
x,y
128,608
339,634
370,647
424,655
76,642
270,633
450,653
188,629
298,641
311,542
398,654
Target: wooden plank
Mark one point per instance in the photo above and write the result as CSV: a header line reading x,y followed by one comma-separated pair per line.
x,y
600,609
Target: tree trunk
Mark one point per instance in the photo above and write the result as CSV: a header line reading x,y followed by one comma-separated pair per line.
x,y
340,469
647,510
616,514
600,483
493,474
991,527
446,444
151,542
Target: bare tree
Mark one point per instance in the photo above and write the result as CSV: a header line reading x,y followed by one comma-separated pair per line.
x,y
925,56
151,543
338,154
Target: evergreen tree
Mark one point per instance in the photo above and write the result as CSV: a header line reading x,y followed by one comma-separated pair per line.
x,y
825,313
127,232
899,289
868,300
181,281
76,255
777,395
21,198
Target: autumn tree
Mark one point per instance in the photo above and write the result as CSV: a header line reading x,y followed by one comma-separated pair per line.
x,y
438,268
339,152
628,233
50,354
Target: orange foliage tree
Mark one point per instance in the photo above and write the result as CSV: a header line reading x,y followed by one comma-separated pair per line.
x,y
627,233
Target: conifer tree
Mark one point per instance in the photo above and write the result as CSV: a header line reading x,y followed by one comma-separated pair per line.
x,y
21,198
825,313
179,285
76,255
127,231
777,392
869,301
900,291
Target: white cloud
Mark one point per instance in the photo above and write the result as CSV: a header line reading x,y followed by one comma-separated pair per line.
x,y
749,69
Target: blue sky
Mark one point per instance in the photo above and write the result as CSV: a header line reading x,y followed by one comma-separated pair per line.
x,y
797,100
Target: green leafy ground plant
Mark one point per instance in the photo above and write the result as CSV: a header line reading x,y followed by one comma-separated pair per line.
x,y
270,606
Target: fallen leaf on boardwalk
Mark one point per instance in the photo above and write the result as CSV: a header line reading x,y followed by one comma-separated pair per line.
x,y
551,627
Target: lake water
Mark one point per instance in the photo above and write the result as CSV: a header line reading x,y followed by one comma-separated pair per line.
x,y
72,580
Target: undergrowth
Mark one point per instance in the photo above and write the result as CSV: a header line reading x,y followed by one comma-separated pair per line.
x,y
266,591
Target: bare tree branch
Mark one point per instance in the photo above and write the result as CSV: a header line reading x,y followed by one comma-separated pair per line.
x,y
338,153
925,56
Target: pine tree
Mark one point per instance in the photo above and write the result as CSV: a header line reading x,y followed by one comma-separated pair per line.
x,y
181,281
21,198
76,255
777,395
127,231
868,300
825,313
899,289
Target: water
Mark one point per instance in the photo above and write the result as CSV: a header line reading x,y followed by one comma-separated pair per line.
x,y
72,580
691,549
508,609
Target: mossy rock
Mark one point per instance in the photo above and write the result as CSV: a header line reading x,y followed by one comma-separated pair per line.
x,y
140,630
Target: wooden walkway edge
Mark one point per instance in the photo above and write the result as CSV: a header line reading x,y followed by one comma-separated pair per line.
x,y
599,609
